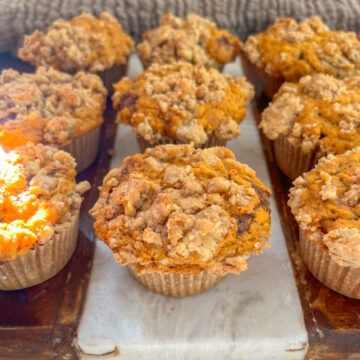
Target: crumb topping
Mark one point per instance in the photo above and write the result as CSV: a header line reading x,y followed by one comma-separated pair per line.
x,y
182,102
193,39
38,195
290,50
326,204
48,107
175,208
319,113
82,43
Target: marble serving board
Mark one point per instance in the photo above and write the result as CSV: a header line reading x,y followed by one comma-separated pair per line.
x,y
255,315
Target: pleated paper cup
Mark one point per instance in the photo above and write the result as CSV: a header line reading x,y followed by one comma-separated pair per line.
x,y
212,141
263,83
176,284
84,148
42,261
291,159
343,279
112,76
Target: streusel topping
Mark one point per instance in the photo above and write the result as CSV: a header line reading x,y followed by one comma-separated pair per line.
x,y
48,106
178,209
319,113
82,43
290,50
38,195
193,39
326,204
182,102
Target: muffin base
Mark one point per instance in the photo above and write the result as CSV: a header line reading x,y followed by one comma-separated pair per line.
x,y
84,148
263,83
143,144
112,75
43,261
342,279
178,285
291,159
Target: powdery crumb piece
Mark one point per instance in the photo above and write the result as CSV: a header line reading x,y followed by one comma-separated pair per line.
x,y
344,246
326,204
48,106
182,103
82,43
178,209
290,50
38,195
319,113
193,39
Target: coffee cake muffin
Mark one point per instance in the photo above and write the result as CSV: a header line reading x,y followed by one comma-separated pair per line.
x,y
52,108
326,204
83,43
39,211
289,50
182,103
317,116
194,39
182,218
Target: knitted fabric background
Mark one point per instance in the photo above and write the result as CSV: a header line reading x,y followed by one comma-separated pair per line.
x,y
242,17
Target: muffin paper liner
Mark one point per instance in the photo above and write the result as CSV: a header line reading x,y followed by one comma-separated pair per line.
x,y
112,75
176,284
43,261
342,279
263,83
84,148
291,159
212,141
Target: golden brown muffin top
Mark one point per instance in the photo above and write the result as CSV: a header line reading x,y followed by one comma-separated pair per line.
x,y
182,102
326,204
82,43
179,209
48,106
38,195
319,113
290,50
193,39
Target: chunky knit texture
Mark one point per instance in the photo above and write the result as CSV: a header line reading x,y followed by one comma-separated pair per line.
x,y
241,17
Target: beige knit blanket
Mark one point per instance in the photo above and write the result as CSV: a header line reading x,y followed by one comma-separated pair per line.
x,y
242,17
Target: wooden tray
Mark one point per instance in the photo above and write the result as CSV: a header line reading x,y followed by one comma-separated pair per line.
x,y
41,322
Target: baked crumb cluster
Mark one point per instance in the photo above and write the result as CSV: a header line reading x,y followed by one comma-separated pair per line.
x,y
38,196
290,50
182,102
326,204
82,43
48,106
178,209
193,39
319,113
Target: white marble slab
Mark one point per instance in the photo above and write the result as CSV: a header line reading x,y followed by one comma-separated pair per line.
x,y
253,316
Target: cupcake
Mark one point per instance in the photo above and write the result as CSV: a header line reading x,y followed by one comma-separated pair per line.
x,y
182,218
39,212
326,204
289,50
317,116
83,43
194,39
52,108
182,103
